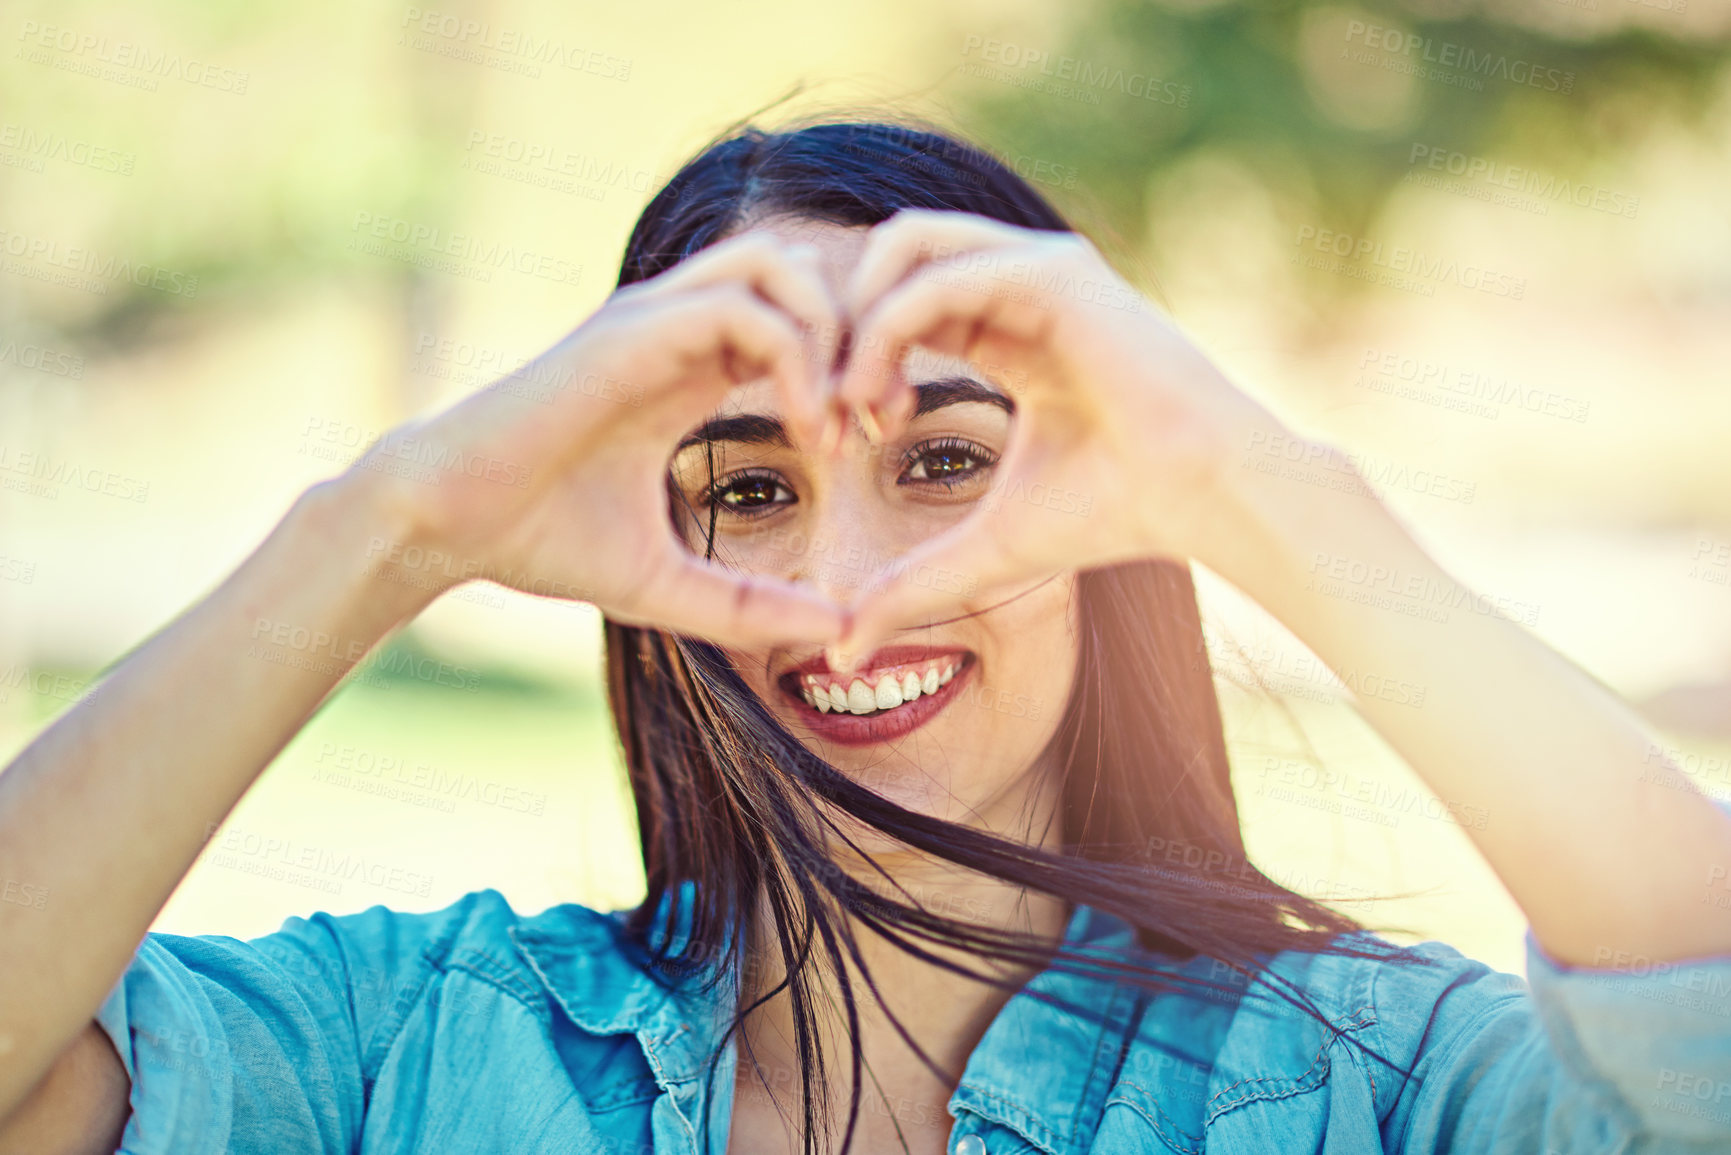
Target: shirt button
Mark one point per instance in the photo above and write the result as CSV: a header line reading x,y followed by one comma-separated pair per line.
x,y
970,1145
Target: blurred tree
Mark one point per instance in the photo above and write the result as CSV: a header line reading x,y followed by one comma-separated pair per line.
x,y
1327,101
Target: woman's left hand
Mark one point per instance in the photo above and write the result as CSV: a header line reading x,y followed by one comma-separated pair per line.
x,y
1123,433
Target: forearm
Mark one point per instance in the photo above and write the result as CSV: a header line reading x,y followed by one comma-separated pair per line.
x,y
1603,844
107,809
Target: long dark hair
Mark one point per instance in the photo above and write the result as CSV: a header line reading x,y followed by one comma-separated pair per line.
x,y
730,800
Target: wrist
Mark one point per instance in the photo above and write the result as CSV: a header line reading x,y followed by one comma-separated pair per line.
x,y
367,533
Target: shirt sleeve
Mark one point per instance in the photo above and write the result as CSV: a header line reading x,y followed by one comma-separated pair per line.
x,y
270,1044
1577,1061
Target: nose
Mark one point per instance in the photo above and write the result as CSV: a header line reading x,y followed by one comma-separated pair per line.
x,y
851,531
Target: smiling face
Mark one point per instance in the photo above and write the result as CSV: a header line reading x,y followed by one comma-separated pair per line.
x,y
954,715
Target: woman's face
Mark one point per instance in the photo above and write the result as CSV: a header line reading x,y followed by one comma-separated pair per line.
x,y
952,716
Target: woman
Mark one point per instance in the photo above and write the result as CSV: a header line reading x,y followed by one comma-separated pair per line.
x,y
868,419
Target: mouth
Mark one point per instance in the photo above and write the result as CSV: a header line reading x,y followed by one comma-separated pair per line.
x,y
900,689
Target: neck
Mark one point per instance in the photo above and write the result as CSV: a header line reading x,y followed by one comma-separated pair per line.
x,y
946,1014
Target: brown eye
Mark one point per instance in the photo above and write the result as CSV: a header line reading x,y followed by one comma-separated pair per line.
x,y
750,493
946,462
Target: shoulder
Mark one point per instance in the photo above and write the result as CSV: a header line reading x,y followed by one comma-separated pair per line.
x,y
1382,1013
1403,1001
480,934
380,961
1398,991
1375,1008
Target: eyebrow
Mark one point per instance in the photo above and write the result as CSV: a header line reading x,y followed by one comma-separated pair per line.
x,y
758,429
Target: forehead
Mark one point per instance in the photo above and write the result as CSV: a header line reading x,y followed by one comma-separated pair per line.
x,y
839,246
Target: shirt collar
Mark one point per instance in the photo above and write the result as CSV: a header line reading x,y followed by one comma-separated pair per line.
x,y
1041,1069
1047,1060
584,959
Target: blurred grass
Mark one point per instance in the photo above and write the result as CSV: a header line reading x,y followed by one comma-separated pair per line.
x,y
411,795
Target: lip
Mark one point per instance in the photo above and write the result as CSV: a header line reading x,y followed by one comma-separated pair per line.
x,y
868,729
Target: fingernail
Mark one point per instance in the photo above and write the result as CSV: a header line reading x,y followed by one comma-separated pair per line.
x,y
868,420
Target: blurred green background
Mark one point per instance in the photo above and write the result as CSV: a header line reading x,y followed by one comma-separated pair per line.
x,y
203,310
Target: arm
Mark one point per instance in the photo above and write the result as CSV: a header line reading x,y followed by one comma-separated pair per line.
x,y
79,1107
1606,847
108,808
1115,405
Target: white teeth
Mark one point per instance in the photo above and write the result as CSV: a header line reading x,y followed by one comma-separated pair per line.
x,y
887,693
860,698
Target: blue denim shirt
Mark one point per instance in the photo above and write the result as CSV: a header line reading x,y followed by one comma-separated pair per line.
x,y
475,1029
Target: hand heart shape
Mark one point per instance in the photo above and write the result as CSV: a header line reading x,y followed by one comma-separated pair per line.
x,y
1123,429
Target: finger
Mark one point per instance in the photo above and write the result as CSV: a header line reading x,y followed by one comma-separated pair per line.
x,y
715,338
690,596
937,310
915,237
790,277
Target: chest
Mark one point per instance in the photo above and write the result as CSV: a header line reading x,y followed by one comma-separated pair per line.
x,y
483,1073
767,1119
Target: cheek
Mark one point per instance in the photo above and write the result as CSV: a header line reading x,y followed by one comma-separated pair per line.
x,y
1026,681
752,667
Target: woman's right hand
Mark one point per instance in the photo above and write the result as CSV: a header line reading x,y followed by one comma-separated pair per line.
x,y
552,480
